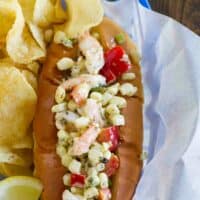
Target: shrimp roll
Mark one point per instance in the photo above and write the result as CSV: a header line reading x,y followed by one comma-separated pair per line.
x,y
88,127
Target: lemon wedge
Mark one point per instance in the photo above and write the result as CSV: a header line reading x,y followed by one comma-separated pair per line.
x,y
20,188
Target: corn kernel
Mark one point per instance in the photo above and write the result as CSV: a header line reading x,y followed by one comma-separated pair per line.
x,y
118,101
75,70
67,116
96,96
103,180
60,94
67,179
66,160
65,63
59,107
94,155
100,167
67,195
127,89
63,136
107,155
113,89
91,193
106,98
92,180
59,124
75,166
60,150
105,146
92,171
82,122
72,106
76,190
59,36
128,76
112,109
74,134
117,120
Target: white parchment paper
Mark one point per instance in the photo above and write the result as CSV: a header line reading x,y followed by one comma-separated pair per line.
x,y
171,77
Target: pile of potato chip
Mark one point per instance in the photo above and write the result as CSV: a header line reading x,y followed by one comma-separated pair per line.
x,y
26,28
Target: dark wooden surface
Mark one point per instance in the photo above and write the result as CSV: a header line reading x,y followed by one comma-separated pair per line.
x,y
185,11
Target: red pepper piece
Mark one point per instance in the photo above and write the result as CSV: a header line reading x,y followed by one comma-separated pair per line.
x,y
108,74
112,165
110,134
114,65
114,54
119,67
104,194
77,180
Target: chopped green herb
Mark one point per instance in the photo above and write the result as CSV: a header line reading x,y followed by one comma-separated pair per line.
x,y
67,42
74,41
98,89
91,180
110,183
120,38
104,160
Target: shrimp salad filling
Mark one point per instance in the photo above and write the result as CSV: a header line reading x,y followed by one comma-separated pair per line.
x,y
88,116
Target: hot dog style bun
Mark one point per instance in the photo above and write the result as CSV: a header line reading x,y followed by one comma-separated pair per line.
x,y
130,149
48,166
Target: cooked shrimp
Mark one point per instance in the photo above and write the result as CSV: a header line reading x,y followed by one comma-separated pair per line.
x,y
93,52
80,93
93,111
82,144
67,195
92,80
81,86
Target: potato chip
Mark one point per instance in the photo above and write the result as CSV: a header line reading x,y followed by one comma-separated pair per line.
x,y
8,62
9,157
14,170
60,13
28,71
47,12
25,143
27,9
3,53
20,157
82,16
26,155
37,35
20,45
44,13
7,17
31,78
17,106
33,67
23,49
